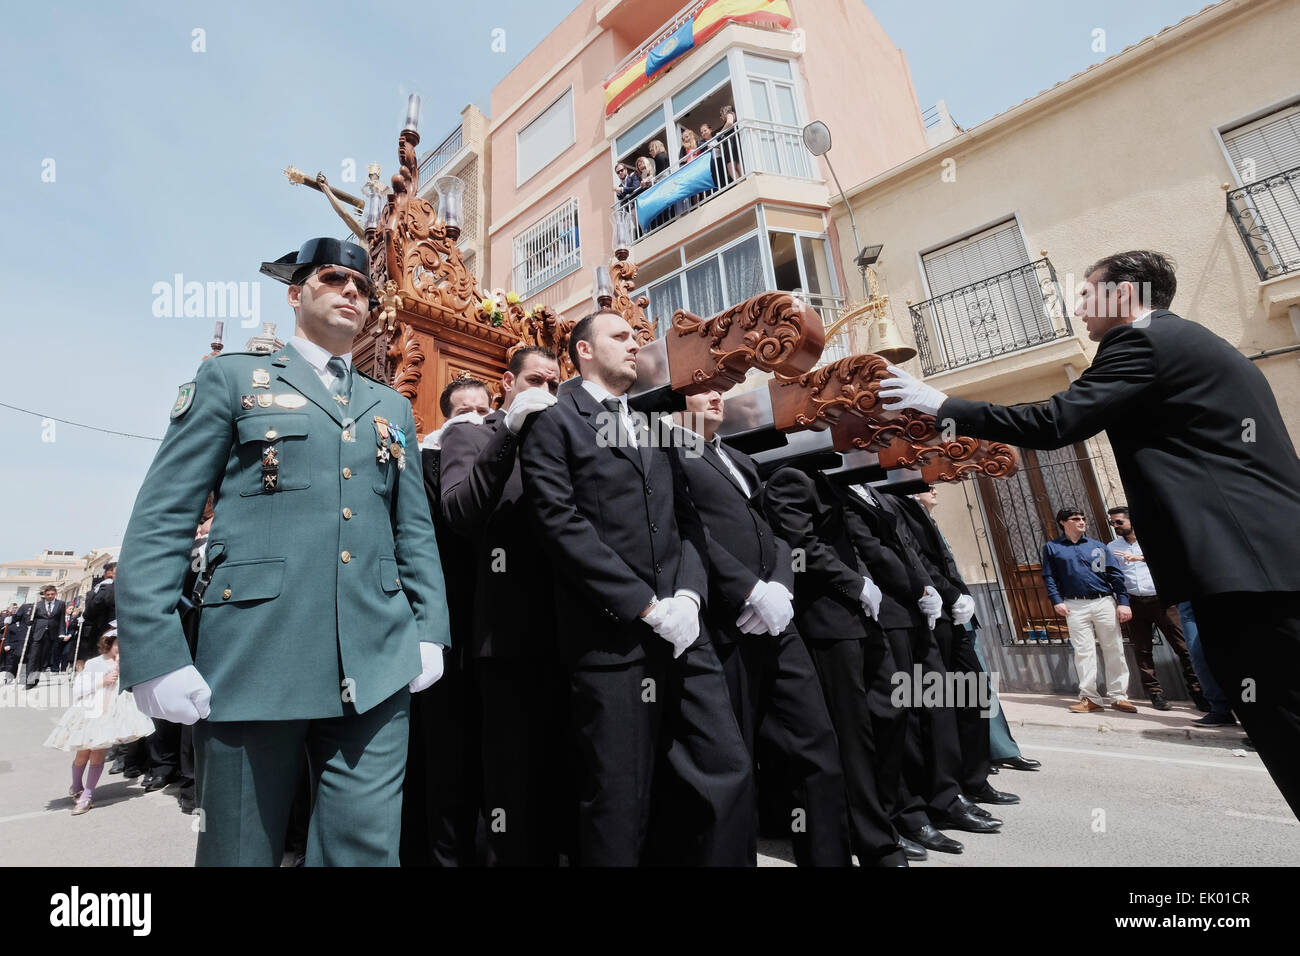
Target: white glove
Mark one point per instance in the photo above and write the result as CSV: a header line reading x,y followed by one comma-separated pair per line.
x,y
931,605
677,621
769,609
907,391
963,609
870,598
526,403
430,667
434,439
181,696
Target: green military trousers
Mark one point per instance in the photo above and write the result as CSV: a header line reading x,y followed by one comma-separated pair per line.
x,y
246,772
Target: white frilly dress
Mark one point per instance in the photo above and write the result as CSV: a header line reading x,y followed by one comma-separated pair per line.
x,y
100,716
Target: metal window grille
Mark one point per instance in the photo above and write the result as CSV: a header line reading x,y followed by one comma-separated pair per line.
x,y
547,250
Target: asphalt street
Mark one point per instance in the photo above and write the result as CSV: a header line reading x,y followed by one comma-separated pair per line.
x,y
1100,800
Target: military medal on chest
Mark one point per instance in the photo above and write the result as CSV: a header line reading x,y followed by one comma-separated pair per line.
x,y
391,442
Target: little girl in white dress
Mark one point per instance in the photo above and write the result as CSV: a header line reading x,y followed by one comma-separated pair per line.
x,y
102,715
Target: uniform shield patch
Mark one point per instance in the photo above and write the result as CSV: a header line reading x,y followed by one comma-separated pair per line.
x,y
184,399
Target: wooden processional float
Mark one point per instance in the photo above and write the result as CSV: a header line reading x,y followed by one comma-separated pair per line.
x,y
435,323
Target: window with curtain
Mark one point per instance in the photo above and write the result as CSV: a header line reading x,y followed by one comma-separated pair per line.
x,y
742,268
665,299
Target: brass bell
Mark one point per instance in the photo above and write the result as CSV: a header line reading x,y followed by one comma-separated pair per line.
x,y
883,340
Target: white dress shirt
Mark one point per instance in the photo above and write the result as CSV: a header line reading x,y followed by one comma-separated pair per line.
x,y
317,358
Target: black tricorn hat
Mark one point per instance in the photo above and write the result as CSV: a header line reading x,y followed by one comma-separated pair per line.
x,y
315,253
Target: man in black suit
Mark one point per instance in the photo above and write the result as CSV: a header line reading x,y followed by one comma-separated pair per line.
x,y
44,633
101,607
956,646
929,795
769,673
1210,472
836,608
649,699
440,793
522,685
13,632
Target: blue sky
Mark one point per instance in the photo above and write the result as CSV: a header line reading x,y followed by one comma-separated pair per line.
x,y
167,160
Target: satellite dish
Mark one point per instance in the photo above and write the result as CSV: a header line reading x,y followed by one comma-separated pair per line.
x,y
817,138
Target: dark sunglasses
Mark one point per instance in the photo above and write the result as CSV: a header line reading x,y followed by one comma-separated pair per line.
x,y
337,278
1119,521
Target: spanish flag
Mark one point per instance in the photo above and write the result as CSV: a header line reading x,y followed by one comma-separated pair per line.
x,y
707,21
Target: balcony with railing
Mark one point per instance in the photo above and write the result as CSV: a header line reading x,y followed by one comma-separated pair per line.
x,y
439,156
1002,314
736,154
1267,216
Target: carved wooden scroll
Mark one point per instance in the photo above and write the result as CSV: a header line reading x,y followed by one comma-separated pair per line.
x,y
623,272
773,331
950,460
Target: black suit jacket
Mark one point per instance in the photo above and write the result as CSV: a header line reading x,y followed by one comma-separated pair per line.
x,y
935,556
455,552
482,500
101,607
742,547
1209,469
809,513
47,625
618,525
891,560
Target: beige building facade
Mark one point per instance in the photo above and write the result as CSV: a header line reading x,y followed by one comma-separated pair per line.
x,y
1188,142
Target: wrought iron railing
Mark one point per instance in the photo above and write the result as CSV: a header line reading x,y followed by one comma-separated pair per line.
x,y
753,147
438,157
1267,215
1004,313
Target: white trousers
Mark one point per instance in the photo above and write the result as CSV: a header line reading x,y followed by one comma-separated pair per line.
x,y
1093,622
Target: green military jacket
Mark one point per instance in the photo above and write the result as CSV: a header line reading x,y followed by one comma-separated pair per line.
x,y
324,580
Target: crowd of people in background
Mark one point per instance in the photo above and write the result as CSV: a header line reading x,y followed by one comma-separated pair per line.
x,y
636,176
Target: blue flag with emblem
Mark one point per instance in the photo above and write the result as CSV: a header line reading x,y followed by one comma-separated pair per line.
x,y
693,178
681,40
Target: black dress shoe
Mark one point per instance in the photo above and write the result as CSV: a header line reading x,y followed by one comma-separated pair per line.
x,y
1159,703
186,801
987,794
993,768
912,850
118,765
130,773
930,838
1019,763
959,816
157,781
1212,719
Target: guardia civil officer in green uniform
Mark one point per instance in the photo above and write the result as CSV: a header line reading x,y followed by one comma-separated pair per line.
x,y
325,606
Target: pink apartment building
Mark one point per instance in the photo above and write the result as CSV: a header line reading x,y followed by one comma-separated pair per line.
x,y
763,224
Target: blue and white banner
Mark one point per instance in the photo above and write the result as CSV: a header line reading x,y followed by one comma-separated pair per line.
x,y
695,177
682,39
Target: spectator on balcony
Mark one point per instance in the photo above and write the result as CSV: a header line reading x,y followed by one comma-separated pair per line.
x,y
645,171
659,153
690,147
728,142
707,141
629,183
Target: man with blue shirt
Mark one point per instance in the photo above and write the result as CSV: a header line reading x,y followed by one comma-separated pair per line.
x,y
1086,587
